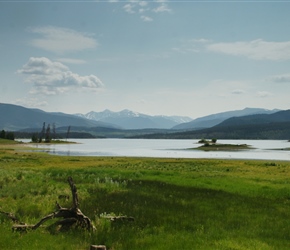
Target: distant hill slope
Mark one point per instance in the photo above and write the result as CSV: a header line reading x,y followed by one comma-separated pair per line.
x,y
214,119
127,119
105,132
266,126
14,117
278,117
256,126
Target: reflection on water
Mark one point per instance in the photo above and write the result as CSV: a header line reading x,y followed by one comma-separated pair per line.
x,y
263,149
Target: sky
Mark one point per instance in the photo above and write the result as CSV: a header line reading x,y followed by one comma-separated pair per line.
x,y
185,58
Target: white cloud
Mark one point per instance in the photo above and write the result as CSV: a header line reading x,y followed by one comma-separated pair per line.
x,y
146,18
191,46
142,10
238,92
31,102
51,78
200,40
280,78
129,8
141,7
162,8
264,94
256,49
143,3
61,40
228,88
71,60
42,66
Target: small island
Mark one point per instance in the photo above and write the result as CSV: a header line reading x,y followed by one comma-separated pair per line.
x,y
57,141
282,149
214,146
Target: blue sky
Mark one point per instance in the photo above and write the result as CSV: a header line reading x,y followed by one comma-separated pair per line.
x,y
189,58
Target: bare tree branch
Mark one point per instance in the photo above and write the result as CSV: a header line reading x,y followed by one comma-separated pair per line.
x,y
74,193
11,216
71,216
68,217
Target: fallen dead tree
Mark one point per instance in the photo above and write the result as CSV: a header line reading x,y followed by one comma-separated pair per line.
x,y
12,217
68,217
119,218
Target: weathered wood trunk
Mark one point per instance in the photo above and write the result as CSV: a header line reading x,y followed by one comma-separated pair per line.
x,y
98,247
68,216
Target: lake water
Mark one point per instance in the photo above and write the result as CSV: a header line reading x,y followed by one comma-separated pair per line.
x,y
263,149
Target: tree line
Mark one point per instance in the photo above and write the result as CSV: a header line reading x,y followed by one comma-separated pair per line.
x,y
47,134
7,135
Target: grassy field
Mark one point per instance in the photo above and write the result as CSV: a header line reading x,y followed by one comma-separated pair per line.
x,y
176,203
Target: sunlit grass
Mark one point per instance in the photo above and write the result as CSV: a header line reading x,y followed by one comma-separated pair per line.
x,y
176,203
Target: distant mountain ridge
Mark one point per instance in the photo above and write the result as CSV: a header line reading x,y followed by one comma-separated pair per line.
x,y
14,117
267,124
275,126
215,119
277,117
128,119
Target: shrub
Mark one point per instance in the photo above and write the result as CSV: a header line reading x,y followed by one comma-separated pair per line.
x,y
34,138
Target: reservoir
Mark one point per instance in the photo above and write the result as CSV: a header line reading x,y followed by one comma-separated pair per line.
x,y
262,149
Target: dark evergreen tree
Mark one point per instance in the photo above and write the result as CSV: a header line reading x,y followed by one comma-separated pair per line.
x,y
53,131
47,134
42,132
3,134
68,130
10,136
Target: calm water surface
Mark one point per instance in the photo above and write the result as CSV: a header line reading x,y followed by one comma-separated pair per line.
x,y
264,149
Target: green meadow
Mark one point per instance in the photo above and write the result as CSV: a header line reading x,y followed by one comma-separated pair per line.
x,y
176,203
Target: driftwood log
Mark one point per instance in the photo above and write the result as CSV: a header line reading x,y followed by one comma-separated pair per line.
x,y
12,217
68,217
98,247
119,218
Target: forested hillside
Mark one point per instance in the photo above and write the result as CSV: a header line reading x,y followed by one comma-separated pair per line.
x,y
271,126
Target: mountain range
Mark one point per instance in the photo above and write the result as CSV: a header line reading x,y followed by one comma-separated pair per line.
x,y
127,119
14,117
257,126
214,119
246,123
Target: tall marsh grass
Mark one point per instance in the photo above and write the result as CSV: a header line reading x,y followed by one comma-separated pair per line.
x,y
176,203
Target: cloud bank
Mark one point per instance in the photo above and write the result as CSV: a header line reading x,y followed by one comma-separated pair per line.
x,y
51,78
148,7
280,78
256,49
61,40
